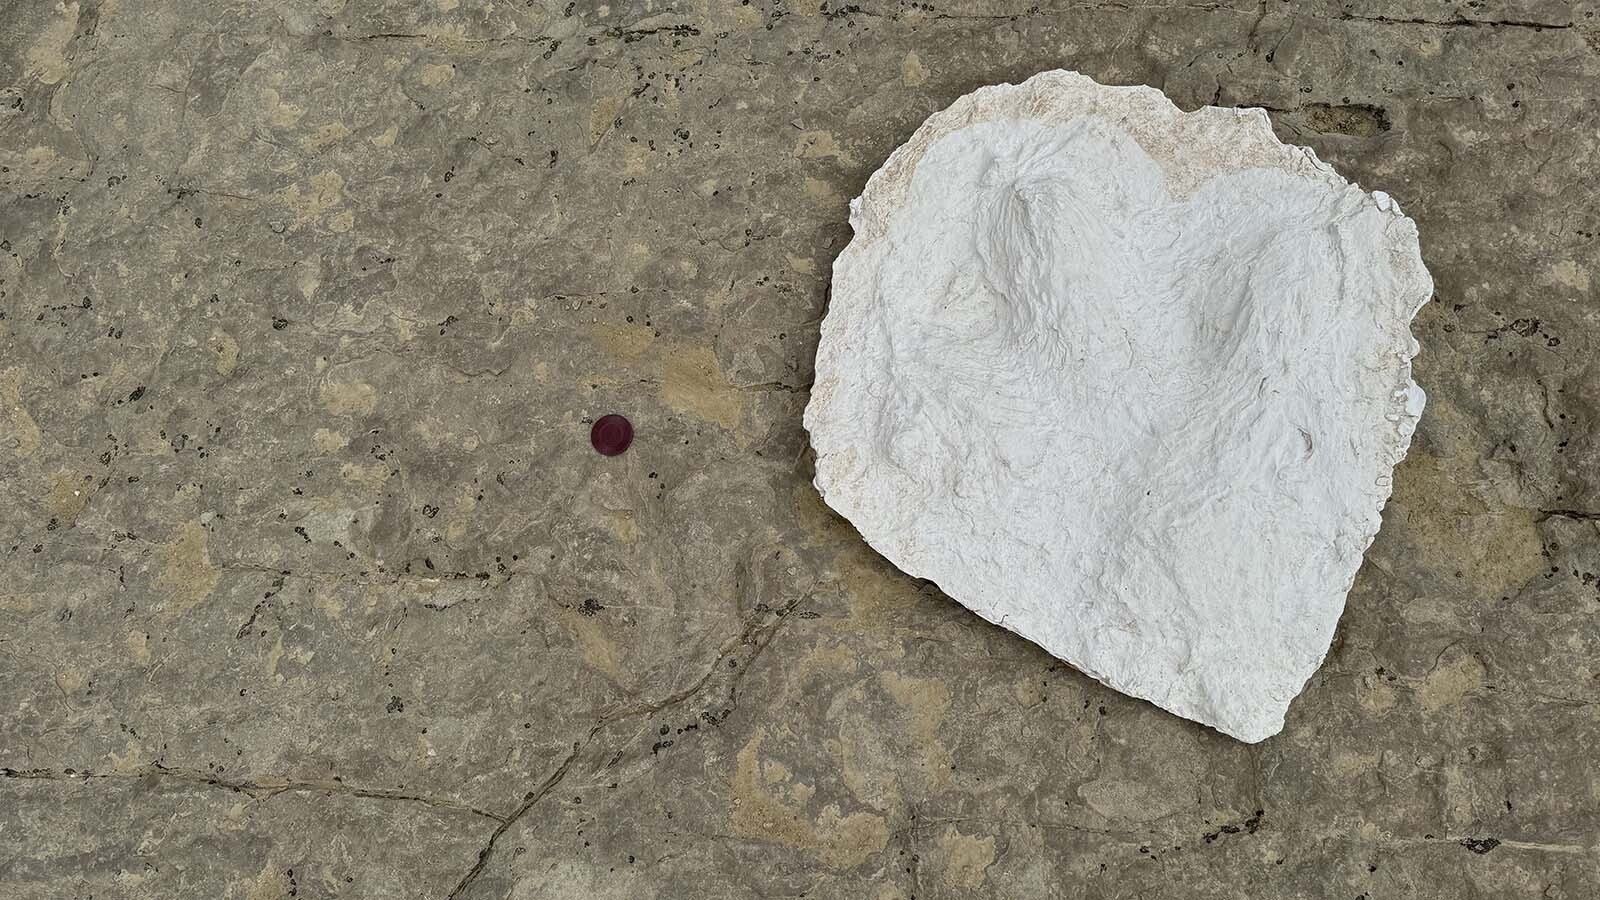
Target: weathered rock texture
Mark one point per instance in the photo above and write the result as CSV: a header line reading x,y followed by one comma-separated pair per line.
x,y
1125,380
434,239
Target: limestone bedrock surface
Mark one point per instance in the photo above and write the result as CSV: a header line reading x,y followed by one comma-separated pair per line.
x,y
312,585
1126,380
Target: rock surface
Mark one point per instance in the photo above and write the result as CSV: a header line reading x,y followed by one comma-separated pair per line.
x,y
307,307
1126,380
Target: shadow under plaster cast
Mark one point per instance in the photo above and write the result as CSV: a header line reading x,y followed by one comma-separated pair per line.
x,y
1125,380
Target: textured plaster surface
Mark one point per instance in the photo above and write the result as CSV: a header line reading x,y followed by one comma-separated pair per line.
x,y
310,585
1126,380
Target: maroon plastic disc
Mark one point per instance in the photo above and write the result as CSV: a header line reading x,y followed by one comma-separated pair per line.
x,y
611,434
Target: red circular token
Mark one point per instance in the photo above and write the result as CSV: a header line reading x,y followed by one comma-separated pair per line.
x,y
611,434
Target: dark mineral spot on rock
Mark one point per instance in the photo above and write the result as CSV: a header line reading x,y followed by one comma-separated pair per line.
x,y
1354,120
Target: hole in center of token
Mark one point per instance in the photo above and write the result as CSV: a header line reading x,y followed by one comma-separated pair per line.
x,y
611,434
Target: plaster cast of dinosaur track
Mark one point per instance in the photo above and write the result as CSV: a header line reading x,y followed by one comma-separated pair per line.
x,y
1125,380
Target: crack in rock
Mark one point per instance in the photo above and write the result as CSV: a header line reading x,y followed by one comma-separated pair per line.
x,y
259,788
759,632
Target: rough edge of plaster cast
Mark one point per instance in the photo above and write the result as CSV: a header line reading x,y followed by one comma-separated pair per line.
x,y
1244,141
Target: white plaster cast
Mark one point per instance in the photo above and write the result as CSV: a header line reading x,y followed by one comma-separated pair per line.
x,y
1125,380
